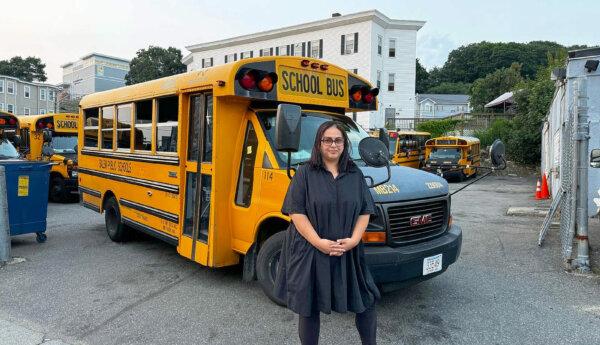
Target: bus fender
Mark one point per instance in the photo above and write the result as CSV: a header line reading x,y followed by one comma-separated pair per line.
x,y
249,267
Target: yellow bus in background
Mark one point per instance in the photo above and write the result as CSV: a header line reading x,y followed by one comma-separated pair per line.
x,y
453,156
407,148
59,148
9,137
191,159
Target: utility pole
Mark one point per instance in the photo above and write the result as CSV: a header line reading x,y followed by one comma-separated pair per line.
x,y
4,229
582,262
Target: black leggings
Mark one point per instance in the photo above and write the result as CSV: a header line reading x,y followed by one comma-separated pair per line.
x,y
366,324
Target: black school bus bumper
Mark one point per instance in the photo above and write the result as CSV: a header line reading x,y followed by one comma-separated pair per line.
x,y
402,266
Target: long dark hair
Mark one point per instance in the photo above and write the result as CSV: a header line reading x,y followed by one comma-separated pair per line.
x,y
316,159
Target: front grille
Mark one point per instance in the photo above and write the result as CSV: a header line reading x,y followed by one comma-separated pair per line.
x,y
399,216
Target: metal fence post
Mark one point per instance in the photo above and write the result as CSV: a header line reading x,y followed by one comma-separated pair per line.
x,y
582,262
4,229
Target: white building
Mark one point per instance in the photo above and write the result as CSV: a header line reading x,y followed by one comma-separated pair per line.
x,y
379,49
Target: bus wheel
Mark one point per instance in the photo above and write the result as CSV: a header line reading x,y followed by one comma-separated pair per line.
x,y
57,189
266,265
112,217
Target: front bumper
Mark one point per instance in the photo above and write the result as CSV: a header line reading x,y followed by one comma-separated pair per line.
x,y
404,265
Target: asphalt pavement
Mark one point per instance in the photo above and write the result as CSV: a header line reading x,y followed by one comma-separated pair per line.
x,y
81,288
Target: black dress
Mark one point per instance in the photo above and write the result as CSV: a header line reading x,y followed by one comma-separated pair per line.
x,y
308,280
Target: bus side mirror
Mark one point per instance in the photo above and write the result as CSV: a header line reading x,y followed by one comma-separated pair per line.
x,y
497,151
47,136
595,158
375,154
287,127
384,137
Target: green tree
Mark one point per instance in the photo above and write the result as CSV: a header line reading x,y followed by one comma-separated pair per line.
x,y
437,128
471,62
28,69
154,63
451,88
494,84
422,78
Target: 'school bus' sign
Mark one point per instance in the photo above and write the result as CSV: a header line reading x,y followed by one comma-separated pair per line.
x,y
306,83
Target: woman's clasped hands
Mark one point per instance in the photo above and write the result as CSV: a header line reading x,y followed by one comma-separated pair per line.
x,y
336,248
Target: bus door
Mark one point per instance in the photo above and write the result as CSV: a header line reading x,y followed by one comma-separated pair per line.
x,y
198,179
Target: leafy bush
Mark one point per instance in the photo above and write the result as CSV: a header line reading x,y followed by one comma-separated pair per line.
x,y
499,129
438,128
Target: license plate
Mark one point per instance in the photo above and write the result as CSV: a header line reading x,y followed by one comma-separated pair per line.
x,y
432,264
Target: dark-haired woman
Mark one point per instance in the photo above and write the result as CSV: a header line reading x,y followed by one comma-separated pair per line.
x,y
322,266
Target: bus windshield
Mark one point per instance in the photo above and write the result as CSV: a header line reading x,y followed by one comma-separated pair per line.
x,y
7,150
445,153
62,143
311,120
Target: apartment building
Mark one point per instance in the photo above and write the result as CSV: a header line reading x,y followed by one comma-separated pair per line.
x,y
379,49
26,98
92,73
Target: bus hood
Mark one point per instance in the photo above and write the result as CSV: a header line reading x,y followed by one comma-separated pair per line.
x,y
405,184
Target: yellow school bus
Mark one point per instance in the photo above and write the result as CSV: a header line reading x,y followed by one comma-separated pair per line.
x,y
453,156
9,138
191,159
407,148
60,149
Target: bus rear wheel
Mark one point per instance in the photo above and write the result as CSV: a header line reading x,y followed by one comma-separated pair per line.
x,y
115,228
266,265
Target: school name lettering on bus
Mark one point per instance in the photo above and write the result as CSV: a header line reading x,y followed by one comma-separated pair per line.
x,y
66,124
114,165
318,85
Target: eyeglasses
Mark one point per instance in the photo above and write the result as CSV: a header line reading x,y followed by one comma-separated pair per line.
x,y
329,141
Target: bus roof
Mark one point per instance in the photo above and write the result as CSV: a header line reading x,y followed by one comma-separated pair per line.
x,y
222,79
412,133
469,140
29,121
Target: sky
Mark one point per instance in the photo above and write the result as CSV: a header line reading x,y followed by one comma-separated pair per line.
x,y
62,31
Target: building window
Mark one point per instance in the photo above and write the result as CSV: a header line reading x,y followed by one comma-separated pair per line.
x,y
315,49
51,95
246,55
350,43
1,106
230,57
208,62
27,91
281,50
26,111
379,80
42,94
42,111
298,49
353,70
266,52
10,87
391,77
379,44
10,108
1,86
392,52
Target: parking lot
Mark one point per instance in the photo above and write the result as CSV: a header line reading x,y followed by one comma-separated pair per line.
x,y
81,288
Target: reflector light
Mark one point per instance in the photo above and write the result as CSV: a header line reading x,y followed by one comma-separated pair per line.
x,y
2,121
248,80
314,65
12,121
40,125
356,96
393,135
324,67
305,63
373,237
49,125
368,98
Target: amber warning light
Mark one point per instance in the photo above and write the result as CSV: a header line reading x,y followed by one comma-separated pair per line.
x,y
256,80
364,94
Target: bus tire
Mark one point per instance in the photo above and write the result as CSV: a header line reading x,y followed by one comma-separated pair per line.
x,y
266,265
115,228
57,189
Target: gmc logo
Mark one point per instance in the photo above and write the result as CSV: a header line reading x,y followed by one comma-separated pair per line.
x,y
420,220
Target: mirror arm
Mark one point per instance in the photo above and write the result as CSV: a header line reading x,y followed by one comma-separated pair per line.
x,y
389,173
289,165
470,183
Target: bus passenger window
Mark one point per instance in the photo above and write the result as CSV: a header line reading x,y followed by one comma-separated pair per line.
x,y
124,126
143,126
244,188
166,126
90,127
108,115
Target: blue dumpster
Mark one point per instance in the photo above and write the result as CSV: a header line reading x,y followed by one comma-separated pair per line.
x,y
27,191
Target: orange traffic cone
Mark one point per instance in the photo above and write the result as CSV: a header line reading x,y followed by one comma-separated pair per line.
x,y
538,190
544,194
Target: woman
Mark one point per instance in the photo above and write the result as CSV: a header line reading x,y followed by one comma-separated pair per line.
x,y
322,266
